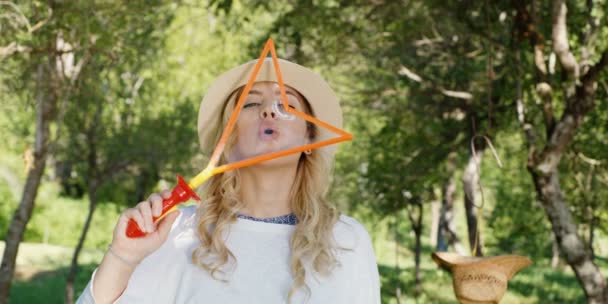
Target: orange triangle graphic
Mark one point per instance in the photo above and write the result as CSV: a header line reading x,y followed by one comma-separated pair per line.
x,y
212,167
183,192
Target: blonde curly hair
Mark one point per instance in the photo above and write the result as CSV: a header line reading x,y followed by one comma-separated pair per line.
x,y
312,238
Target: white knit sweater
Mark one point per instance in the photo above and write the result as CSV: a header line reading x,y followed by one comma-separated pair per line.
x,y
261,273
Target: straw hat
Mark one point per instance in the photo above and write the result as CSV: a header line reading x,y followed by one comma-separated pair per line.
x,y
322,99
480,280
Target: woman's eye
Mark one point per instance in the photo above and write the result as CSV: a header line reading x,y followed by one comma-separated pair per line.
x,y
281,106
251,105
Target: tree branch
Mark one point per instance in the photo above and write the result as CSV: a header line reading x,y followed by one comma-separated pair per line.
x,y
560,39
41,23
594,70
544,91
404,71
13,48
578,105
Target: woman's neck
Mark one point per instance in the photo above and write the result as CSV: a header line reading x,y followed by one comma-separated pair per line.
x,y
266,191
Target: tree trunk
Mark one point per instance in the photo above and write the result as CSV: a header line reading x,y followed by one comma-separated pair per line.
x,y
543,166
93,180
470,179
71,276
418,251
436,213
544,169
397,266
544,158
446,234
592,234
554,252
570,244
415,214
45,112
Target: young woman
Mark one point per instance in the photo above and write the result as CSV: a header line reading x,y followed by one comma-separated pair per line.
x,y
263,233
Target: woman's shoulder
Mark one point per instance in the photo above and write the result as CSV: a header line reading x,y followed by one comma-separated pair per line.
x,y
351,233
345,221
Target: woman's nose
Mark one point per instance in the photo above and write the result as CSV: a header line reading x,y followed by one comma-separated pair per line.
x,y
267,112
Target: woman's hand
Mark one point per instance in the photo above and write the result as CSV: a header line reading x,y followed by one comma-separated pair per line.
x,y
136,249
117,266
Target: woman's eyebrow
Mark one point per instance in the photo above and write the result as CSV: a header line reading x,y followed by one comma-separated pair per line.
x,y
256,92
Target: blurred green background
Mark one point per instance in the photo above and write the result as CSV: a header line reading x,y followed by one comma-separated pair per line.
x,y
417,80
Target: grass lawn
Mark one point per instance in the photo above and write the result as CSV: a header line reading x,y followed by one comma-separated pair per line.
x,y
41,270
536,284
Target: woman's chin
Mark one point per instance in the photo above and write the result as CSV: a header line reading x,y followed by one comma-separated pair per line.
x,y
265,148
286,160
281,162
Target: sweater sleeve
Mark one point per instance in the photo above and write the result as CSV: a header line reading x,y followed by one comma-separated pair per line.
x,y
367,284
86,297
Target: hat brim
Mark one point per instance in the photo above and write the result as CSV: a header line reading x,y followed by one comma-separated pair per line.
x,y
508,264
322,99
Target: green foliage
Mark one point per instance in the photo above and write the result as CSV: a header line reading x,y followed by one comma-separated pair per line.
x,y
416,81
59,220
515,213
6,209
44,286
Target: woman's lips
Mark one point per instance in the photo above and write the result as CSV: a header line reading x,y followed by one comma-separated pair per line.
x,y
268,133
